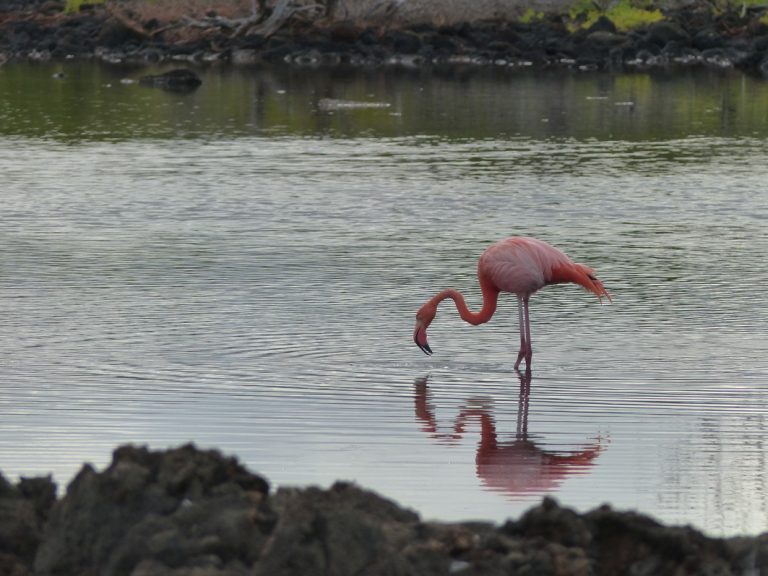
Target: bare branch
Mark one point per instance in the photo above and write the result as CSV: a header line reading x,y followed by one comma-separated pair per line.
x,y
282,12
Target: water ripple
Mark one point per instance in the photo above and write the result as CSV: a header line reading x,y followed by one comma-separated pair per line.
x,y
258,294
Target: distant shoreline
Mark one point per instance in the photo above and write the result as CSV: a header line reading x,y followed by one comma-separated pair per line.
x,y
681,38
192,511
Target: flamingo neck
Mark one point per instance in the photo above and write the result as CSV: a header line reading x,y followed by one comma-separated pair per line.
x,y
490,297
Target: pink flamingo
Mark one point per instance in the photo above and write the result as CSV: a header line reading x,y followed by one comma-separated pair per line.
x,y
518,265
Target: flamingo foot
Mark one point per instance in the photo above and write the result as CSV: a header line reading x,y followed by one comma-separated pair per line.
x,y
520,356
525,353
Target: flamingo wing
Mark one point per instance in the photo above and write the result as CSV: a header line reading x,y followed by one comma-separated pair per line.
x,y
520,265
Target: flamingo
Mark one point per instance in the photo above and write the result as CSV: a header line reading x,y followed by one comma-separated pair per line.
x,y
518,265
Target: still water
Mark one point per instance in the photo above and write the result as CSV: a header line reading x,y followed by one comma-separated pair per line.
x,y
240,267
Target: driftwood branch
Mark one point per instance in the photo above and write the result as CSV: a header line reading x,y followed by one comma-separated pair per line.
x,y
246,23
239,25
388,8
208,22
284,10
135,26
255,23
130,23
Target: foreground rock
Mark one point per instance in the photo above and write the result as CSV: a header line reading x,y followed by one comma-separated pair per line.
x,y
188,511
687,36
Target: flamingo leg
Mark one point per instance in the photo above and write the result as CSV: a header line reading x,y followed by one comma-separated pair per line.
x,y
521,319
528,347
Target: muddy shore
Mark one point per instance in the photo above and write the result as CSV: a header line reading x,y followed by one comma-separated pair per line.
x,y
191,511
692,36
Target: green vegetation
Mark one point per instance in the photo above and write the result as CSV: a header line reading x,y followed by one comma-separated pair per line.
x,y
74,5
627,17
625,14
630,14
531,15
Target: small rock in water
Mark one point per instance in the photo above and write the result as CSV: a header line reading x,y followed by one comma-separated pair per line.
x,y
334,104
178,80
458,566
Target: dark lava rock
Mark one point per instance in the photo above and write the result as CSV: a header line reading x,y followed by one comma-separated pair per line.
x,y
722,57
552,523
760,43
179,509
707,38
28,32
635,544
606,38
403,42
23,510
22,34
344,530
603,24
664,31
20,5
115,33
346,32
178,80
186,511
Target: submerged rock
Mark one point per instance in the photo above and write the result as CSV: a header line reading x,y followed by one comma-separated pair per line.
x,y
327,104
191,511
178,80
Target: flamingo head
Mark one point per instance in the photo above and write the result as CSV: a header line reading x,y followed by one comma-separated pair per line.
x,y
424,318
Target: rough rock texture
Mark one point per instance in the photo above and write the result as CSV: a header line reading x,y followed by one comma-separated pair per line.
x,y
23,511
444,12
155,511
191,512
458,33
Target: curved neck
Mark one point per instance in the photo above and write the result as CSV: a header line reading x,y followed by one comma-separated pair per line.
x,y
490,297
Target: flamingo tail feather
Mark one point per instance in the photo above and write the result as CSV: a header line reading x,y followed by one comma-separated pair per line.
x,y
581,275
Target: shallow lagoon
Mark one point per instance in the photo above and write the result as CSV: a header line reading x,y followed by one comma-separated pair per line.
x,y
239,267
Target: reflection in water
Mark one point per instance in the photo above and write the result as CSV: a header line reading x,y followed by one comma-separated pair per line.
x,y
519,467
225,267
92,102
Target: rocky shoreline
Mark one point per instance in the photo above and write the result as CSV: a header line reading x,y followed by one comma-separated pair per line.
x,y
692,36
190,511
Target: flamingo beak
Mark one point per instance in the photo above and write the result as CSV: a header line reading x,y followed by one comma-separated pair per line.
x,y
420,338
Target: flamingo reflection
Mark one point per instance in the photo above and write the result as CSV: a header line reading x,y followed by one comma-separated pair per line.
x,y
517,467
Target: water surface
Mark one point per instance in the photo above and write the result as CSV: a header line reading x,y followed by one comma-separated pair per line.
x,y
239,268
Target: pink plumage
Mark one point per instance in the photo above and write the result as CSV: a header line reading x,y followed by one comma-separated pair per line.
x,y
517,265
520,265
